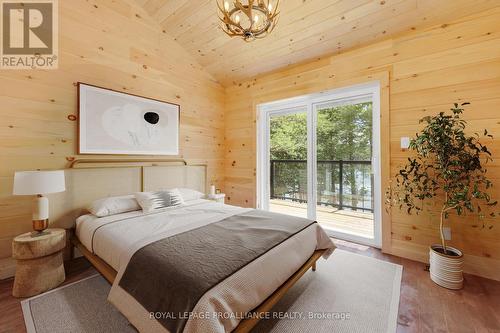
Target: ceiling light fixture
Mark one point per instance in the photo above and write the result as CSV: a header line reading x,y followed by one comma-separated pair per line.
x,y
249,19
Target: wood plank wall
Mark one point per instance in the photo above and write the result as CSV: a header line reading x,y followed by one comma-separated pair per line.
x,y
456,61
113,44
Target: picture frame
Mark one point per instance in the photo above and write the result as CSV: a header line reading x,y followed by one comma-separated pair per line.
x,y
111,122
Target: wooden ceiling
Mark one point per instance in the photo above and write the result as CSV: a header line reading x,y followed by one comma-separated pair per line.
x,y
307,29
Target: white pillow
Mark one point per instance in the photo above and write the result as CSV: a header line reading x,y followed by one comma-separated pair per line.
x,y
189,194
114,205
154,201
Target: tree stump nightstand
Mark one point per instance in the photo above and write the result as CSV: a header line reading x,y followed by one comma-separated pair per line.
x,y
39,264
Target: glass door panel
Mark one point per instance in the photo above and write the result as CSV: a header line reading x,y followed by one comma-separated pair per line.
x,y
344,180
288,177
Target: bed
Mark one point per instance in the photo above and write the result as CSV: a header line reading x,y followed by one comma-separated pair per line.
x,y
112,244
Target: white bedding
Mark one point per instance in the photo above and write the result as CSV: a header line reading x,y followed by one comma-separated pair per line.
x,y
111,236
116,238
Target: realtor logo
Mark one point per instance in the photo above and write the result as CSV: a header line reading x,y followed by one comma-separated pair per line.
x,y
29,34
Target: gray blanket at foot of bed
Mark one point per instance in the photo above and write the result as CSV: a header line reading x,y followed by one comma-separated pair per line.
x,y
169,276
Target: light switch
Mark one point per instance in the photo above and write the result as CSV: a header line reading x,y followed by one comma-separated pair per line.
x,y
405,142
447,233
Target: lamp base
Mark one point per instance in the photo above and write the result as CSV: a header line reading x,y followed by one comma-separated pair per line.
x,y
35,234
39,226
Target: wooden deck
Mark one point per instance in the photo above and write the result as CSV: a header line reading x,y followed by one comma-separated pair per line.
x,y
345,221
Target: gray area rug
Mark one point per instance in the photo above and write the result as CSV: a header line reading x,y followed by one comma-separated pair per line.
x,y
348,293
78,307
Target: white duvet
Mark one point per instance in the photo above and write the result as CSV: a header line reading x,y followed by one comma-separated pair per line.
x,y
116,238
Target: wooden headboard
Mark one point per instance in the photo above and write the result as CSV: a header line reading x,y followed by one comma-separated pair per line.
x,y
89,180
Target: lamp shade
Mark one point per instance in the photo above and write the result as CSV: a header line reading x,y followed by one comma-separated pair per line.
x,y
38,182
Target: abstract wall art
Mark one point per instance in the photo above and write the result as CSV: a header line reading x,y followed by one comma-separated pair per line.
x,y
112,122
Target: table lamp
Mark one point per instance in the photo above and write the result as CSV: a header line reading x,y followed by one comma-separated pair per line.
x,y
39,183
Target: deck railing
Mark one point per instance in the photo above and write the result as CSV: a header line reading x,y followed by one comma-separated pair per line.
x,y
341,184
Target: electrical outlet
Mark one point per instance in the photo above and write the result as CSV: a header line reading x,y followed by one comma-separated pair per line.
x,y
447,233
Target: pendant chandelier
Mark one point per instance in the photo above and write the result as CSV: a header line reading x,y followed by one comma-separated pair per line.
x,y
248,19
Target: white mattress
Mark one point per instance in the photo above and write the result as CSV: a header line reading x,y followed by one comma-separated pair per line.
x,y
111,236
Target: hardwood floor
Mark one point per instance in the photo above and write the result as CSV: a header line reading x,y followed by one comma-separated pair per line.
x,y
424,307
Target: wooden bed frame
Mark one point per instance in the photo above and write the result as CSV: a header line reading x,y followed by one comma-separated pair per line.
x,y
245,325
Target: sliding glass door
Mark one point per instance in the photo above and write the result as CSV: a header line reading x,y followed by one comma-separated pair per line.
x,y
288,181
344,178
318,158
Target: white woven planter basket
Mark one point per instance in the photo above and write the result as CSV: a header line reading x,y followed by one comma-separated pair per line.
x,y
446,270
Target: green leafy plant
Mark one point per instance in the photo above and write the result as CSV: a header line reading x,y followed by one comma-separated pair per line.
x,y
446,163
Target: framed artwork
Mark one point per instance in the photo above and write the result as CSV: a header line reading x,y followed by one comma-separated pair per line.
x,y
115,123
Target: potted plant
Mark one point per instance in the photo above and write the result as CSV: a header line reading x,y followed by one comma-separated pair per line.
x,y
446,164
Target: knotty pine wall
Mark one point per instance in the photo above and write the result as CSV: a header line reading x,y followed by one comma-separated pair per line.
x,y
458,60
111,44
